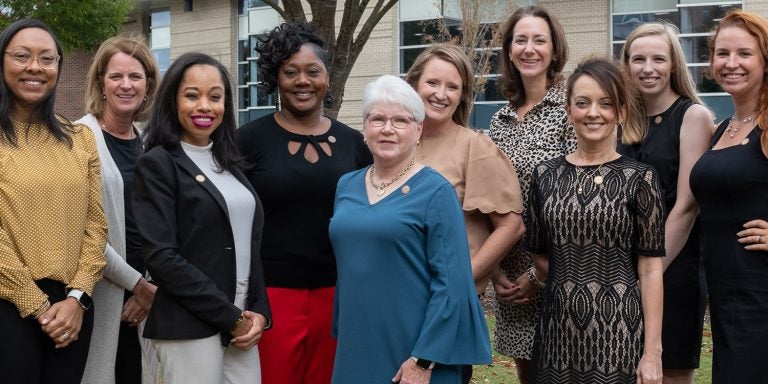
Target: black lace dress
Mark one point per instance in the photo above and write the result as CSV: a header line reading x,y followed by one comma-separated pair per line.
x,y
591,322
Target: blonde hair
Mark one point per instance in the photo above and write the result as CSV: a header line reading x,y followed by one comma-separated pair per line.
x,y
681,81
454,55
131,45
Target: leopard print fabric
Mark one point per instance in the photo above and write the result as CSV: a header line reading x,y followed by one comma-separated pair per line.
x,y
543,133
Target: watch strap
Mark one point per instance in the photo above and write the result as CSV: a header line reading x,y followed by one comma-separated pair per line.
x,y
82,298
423,363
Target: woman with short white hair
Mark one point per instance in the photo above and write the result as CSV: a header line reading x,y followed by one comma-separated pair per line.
x,y
405,308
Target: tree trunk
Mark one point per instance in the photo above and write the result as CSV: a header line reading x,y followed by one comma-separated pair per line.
x,y
344,48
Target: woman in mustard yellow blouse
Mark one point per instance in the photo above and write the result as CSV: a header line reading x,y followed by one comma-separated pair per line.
x,y
52,226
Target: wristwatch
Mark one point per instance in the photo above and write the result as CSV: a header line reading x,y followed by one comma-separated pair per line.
x,y
423,363
83,298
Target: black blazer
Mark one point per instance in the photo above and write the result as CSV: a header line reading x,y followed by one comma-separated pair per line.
x,y
188,248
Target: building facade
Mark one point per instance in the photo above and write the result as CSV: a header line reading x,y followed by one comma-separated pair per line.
x,y
227,30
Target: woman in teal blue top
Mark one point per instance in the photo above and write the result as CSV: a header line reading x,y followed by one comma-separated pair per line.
x,y
405,309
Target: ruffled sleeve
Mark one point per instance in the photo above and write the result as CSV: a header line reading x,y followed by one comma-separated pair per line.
x,y
491,179
454,329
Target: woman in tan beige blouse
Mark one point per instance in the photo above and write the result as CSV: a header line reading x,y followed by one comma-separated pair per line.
x,y
484,178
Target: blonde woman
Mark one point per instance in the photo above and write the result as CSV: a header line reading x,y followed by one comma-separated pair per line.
x,y
678,131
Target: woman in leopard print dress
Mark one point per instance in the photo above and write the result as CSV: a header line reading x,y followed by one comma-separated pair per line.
x,y
532,128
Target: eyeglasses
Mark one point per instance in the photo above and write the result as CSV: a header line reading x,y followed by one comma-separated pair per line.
x,y
398,121
24,59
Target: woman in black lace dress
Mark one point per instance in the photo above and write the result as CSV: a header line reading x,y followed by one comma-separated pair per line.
x,y
596,229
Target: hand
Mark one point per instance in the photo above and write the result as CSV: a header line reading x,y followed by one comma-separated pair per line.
x,y
649,368
133,313
144,292
62,321
755,236
248,332
410,373
504,288
527,290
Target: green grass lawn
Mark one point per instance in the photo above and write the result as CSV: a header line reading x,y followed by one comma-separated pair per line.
x,y
502,371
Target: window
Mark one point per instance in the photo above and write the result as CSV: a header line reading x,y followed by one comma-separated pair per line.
x,y
257,18
160,38
695,19
421,26
243,5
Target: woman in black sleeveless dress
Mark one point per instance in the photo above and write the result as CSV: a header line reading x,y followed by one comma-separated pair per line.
x,y
679,131
730,182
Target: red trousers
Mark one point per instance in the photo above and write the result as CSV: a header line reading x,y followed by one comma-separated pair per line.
x,y
298,349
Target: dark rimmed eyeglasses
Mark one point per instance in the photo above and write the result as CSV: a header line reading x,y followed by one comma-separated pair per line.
x,y
25,59
398,121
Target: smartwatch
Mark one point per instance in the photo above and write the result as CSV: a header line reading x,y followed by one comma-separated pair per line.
x,y
423,363
83,298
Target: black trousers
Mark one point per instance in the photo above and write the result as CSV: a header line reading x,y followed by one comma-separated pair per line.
x,y
27,354
466,374
128,362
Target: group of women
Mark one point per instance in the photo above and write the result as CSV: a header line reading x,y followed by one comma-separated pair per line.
x,y
297,250
598,216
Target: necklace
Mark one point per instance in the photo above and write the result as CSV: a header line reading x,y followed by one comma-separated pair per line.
x,y
733,129
381,188
595,175
104,127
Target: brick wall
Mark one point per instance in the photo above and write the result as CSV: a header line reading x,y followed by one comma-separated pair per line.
x,y
210,28
70,94
378,57
586,25
758,6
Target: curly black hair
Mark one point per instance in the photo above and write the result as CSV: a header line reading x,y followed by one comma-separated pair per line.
x,y
280,44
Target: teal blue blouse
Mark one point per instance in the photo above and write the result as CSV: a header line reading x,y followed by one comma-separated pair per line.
x,y
404,284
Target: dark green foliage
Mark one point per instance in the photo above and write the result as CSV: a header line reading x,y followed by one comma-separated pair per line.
x,y
78,24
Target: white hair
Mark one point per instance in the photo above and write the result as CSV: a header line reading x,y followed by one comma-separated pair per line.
x,y
393,90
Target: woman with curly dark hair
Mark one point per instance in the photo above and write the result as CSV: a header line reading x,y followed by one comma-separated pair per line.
x,y
297,156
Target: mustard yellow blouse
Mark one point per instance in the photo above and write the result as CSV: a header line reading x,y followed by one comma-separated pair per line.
x,y
52,223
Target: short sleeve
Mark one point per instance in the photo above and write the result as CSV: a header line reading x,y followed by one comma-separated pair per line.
x,y
649,215
491,179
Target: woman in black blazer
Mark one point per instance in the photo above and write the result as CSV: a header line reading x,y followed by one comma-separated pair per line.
x,y
201,224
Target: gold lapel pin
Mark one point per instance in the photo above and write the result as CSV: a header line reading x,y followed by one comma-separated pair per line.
x,y
200,178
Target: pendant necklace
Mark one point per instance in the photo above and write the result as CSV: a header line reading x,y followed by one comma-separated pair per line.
x,y
733,128
381,188
595,175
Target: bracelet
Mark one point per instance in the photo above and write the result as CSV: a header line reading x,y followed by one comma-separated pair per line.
x,y
532,276
238,322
